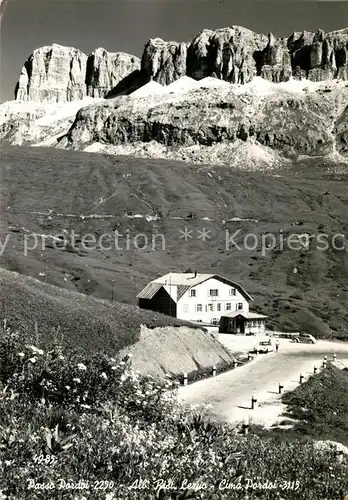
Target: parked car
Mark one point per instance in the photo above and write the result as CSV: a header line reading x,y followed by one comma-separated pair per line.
x,y
264,347
306,338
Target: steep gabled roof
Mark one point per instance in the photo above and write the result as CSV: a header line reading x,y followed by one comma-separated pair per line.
x,y
185,281
149,291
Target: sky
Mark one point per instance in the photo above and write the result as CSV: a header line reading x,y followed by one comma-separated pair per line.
x,y
126,25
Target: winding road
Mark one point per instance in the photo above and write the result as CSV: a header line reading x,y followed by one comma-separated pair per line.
x,y
230,393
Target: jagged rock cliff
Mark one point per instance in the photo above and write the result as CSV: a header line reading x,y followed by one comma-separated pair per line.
x,y
229,93
236,54
164,62
53,74
105,70
61,74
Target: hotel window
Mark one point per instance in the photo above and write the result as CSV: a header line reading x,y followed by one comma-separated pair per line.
x,y
215,321
240,306
232,291
218,307
213,292
199,308
228,306
193,293
210,307
186,308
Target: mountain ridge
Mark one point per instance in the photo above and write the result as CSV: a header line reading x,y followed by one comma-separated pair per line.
x,y
235,54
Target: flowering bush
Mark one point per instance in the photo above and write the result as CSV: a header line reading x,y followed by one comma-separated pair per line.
x,y
74,426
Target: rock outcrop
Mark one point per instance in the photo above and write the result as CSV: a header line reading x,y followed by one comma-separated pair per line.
x,y
228,92
236,54
225,53
53,74
105,70
164,62
291,119
62,74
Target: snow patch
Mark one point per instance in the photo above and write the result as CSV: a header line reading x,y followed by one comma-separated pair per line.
x,y
210,82
181,85
62,111
150,89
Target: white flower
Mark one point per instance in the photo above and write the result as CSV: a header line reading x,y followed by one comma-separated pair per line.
x,y
21,354
67,387
81,366
32,360
103,375
129,355
76,379
36,350
85,406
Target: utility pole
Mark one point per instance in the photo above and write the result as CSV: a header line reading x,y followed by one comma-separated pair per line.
x,y
113,290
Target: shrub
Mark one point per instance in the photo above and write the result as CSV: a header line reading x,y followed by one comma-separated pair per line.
x,y
69,417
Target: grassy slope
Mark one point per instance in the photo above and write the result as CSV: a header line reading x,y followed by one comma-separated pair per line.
x,y
84,322
36,180
321,405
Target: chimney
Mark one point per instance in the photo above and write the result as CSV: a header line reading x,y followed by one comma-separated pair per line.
x,y
195,274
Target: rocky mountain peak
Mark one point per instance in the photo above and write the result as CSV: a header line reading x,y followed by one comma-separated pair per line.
x,y
237,55
53,74
57,73
106,69
234,54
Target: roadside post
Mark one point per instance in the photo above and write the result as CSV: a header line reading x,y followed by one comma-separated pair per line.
x,y
246,427
334,357
214,371
235,363
253,402
324,363
280,388
185,378
315,369
301,378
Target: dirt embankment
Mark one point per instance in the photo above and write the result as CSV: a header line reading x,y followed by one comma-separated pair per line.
x,y
176,350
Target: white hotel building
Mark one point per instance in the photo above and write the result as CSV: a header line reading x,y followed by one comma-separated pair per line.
x,y
206,298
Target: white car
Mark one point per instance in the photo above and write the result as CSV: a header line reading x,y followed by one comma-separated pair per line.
x,y
263,347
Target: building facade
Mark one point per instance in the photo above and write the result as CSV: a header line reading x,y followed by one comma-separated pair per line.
x,y
246,323
198,298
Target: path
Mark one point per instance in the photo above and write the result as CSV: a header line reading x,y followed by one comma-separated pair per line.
x,y
230,393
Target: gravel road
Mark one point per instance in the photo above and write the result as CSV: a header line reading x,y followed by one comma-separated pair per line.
x,y
230,393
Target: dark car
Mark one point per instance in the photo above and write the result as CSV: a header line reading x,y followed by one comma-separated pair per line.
x,y
306,338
